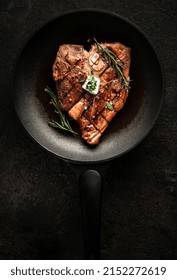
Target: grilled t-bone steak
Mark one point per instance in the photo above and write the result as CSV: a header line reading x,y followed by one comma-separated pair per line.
x,y
72,66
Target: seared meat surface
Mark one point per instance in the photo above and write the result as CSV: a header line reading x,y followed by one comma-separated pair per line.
x,y
72,66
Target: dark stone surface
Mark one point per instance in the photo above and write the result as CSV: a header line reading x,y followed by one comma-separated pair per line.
x,y
39,199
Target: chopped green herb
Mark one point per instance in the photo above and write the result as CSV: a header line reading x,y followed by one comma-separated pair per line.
x,y
109,106
92,83
81,81
64,123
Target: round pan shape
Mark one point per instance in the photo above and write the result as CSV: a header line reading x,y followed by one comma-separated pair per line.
x,y
33,73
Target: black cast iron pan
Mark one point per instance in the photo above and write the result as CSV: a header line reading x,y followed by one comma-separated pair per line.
x,y
33,72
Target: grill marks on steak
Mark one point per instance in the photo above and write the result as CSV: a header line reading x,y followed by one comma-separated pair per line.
x,y
72,66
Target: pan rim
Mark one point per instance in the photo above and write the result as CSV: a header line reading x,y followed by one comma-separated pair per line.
x,y
101,11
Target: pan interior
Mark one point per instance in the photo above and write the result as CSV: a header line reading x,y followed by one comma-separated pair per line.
x,y
34,72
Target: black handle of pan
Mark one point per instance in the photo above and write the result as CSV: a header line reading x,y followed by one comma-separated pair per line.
x,y
90,186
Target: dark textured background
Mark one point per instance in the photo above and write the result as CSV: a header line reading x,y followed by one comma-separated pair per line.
x,y
39,199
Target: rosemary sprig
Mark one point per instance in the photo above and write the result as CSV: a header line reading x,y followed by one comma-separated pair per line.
x,y
111,57
64,123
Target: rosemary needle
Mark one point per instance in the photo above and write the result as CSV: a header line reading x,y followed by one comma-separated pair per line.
x,y
64,122
111,56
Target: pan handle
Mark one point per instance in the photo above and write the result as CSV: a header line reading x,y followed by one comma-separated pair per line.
x,y
90,186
